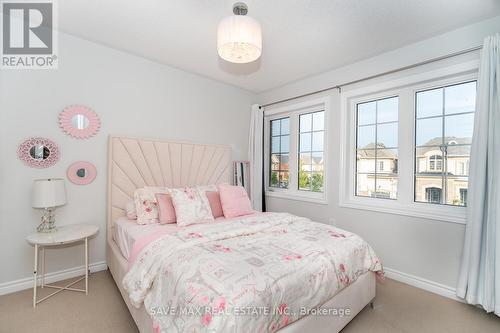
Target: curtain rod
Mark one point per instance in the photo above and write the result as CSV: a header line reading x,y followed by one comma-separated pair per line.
x,y
339,86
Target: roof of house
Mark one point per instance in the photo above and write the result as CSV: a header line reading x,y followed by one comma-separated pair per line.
x,y
456,147
306,159
369,152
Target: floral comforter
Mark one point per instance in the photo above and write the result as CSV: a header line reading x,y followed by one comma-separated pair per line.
x,y
251,274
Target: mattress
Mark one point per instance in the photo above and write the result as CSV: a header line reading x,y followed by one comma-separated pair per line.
x,y
126,232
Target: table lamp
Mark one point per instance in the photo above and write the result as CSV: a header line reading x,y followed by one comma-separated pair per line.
x,y
48,194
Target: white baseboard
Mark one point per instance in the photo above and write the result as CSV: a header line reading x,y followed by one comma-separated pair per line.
x,y
428,285
25,283
415,281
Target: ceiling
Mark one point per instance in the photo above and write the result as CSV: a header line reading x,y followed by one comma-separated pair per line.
x,y
300,37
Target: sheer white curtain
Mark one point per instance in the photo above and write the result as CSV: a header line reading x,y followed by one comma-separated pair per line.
x,y
255,156
479,281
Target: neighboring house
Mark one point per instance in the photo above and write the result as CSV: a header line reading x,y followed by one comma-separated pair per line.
x,y
434,172
279,172
311,163
377,166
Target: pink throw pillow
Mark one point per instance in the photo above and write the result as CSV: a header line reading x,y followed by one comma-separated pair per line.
x,y
235,201
215,204
166,210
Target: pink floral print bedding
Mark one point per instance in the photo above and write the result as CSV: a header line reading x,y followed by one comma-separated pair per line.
x,y
256,273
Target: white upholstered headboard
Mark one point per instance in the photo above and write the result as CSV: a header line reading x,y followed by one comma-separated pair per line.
x,y
134,163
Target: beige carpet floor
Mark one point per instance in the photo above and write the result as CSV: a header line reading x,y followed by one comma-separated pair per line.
x,y
398,308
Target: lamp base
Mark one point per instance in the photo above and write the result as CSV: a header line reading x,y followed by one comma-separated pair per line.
x,y
48,221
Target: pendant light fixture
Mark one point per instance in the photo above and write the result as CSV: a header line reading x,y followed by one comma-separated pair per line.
x,y
239,37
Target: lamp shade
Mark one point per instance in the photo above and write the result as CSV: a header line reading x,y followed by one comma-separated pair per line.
x,y
48,193
239,39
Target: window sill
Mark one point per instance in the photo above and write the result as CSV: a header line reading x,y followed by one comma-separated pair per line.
x,y
297,196
420,210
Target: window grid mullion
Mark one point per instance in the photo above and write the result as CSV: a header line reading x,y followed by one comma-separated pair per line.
x,y
310,154
444,167
376,147
443,115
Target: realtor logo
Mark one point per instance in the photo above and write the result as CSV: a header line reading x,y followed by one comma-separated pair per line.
x,y
28,35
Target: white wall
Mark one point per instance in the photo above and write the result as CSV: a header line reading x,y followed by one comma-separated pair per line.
x,y
132,96
423,248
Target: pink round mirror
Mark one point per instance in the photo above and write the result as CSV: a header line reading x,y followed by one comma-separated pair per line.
x,y
81,173
38,152
79,121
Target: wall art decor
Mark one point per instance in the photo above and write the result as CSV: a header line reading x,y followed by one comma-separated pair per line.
x,y
81,173
38,152
79,121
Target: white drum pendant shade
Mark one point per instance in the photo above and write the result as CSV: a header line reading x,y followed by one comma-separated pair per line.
x,y
239,39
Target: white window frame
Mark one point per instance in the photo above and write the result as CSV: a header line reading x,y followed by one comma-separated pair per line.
x,y
294,111
355,129
406,88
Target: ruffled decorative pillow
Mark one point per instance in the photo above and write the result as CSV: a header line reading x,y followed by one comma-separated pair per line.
x,y
146,205
191,206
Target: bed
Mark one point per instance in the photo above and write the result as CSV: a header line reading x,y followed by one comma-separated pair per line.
x,y
134,163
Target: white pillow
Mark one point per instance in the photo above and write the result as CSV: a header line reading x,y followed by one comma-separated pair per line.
x,y
130,210
146,205
191,206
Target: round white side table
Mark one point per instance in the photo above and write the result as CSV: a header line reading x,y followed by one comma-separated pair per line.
x,y
64,235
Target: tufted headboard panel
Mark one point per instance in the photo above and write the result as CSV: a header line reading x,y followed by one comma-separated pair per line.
x,y
134,163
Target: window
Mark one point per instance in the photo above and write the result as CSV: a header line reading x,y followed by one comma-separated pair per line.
x,y
280,148
463,196
444,125
433,194
436,163
296,160
405,143
311,133
377,146
463,168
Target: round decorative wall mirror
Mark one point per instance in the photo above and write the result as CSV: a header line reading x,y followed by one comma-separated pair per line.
x,y
38,152
79,121
81,173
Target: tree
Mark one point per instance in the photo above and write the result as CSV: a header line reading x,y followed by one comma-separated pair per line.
x,y
317,182
303,177
306,181
274,178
